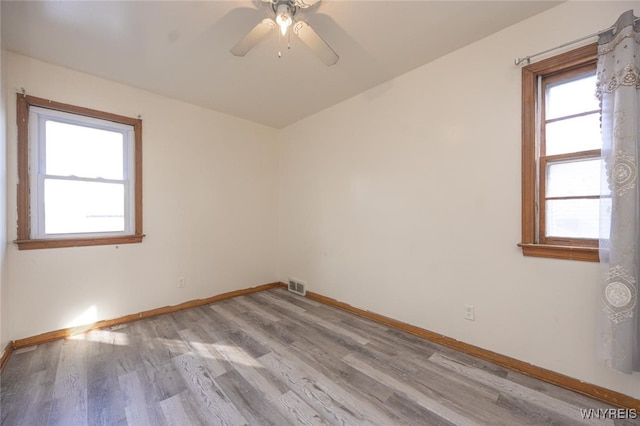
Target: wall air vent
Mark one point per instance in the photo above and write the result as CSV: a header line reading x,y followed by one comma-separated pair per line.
x,y
297,287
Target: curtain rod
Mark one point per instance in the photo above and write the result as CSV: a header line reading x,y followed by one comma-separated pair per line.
x,y
527,59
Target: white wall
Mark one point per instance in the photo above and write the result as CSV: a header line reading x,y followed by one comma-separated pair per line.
x,y
210,210
405,201
4,335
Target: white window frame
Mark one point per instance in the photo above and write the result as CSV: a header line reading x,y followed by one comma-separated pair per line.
x,y
38,118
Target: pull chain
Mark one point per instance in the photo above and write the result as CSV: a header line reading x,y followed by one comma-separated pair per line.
x,y
280,42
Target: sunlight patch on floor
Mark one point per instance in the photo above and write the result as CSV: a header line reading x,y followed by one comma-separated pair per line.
x,y
103,336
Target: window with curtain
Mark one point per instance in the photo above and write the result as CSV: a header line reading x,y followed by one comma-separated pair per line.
x,y
561,157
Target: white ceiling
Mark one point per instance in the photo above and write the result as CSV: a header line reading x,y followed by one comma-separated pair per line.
x,y
181,48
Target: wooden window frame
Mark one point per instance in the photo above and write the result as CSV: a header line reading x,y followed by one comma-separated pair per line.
x,y
24,240
533,242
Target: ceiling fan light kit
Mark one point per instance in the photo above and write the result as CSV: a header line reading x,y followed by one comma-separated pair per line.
x,y
284,12
283,17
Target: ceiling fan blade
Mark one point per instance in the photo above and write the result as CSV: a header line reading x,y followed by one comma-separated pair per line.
x,y
303,4
313,41
254,37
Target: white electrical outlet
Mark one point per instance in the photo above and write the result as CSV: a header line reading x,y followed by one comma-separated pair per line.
x,y
181,282
469,313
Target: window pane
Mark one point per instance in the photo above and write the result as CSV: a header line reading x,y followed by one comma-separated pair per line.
x,y
572,97
73,150
76,207
573,178
573,218
605,214
573,135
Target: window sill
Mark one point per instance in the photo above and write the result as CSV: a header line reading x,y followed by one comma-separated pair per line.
x,y
587,254
77,242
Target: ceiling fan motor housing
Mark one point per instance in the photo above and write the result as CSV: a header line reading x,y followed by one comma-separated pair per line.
x,y
281,5
286,7
302,4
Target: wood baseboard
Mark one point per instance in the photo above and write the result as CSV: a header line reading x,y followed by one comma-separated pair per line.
x,y
6,354
599,393
67,332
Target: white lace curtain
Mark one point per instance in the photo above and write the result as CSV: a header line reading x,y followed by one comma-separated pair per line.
x,y
619,92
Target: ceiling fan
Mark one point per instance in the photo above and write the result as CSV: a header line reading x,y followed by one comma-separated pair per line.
x,y
284,12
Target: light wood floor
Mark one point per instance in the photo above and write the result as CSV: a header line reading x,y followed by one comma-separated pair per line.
x,y
269,358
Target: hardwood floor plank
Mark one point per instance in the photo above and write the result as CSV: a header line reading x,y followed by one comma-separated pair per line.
x,y
533,414
330,401
553,391
434,406
150,346
206,331
304,328
335,369
351,380
429,377
249,306
243,362
303,302
40,367
69,399
270,358
278,330
434,382
205,353
241,338
14,387
105,403
414,414
251,403
260,335
179,411
128,354
250,369
337,328
212,403
163,381
274,299
141,408
39,400
299,411
523,393
388,362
